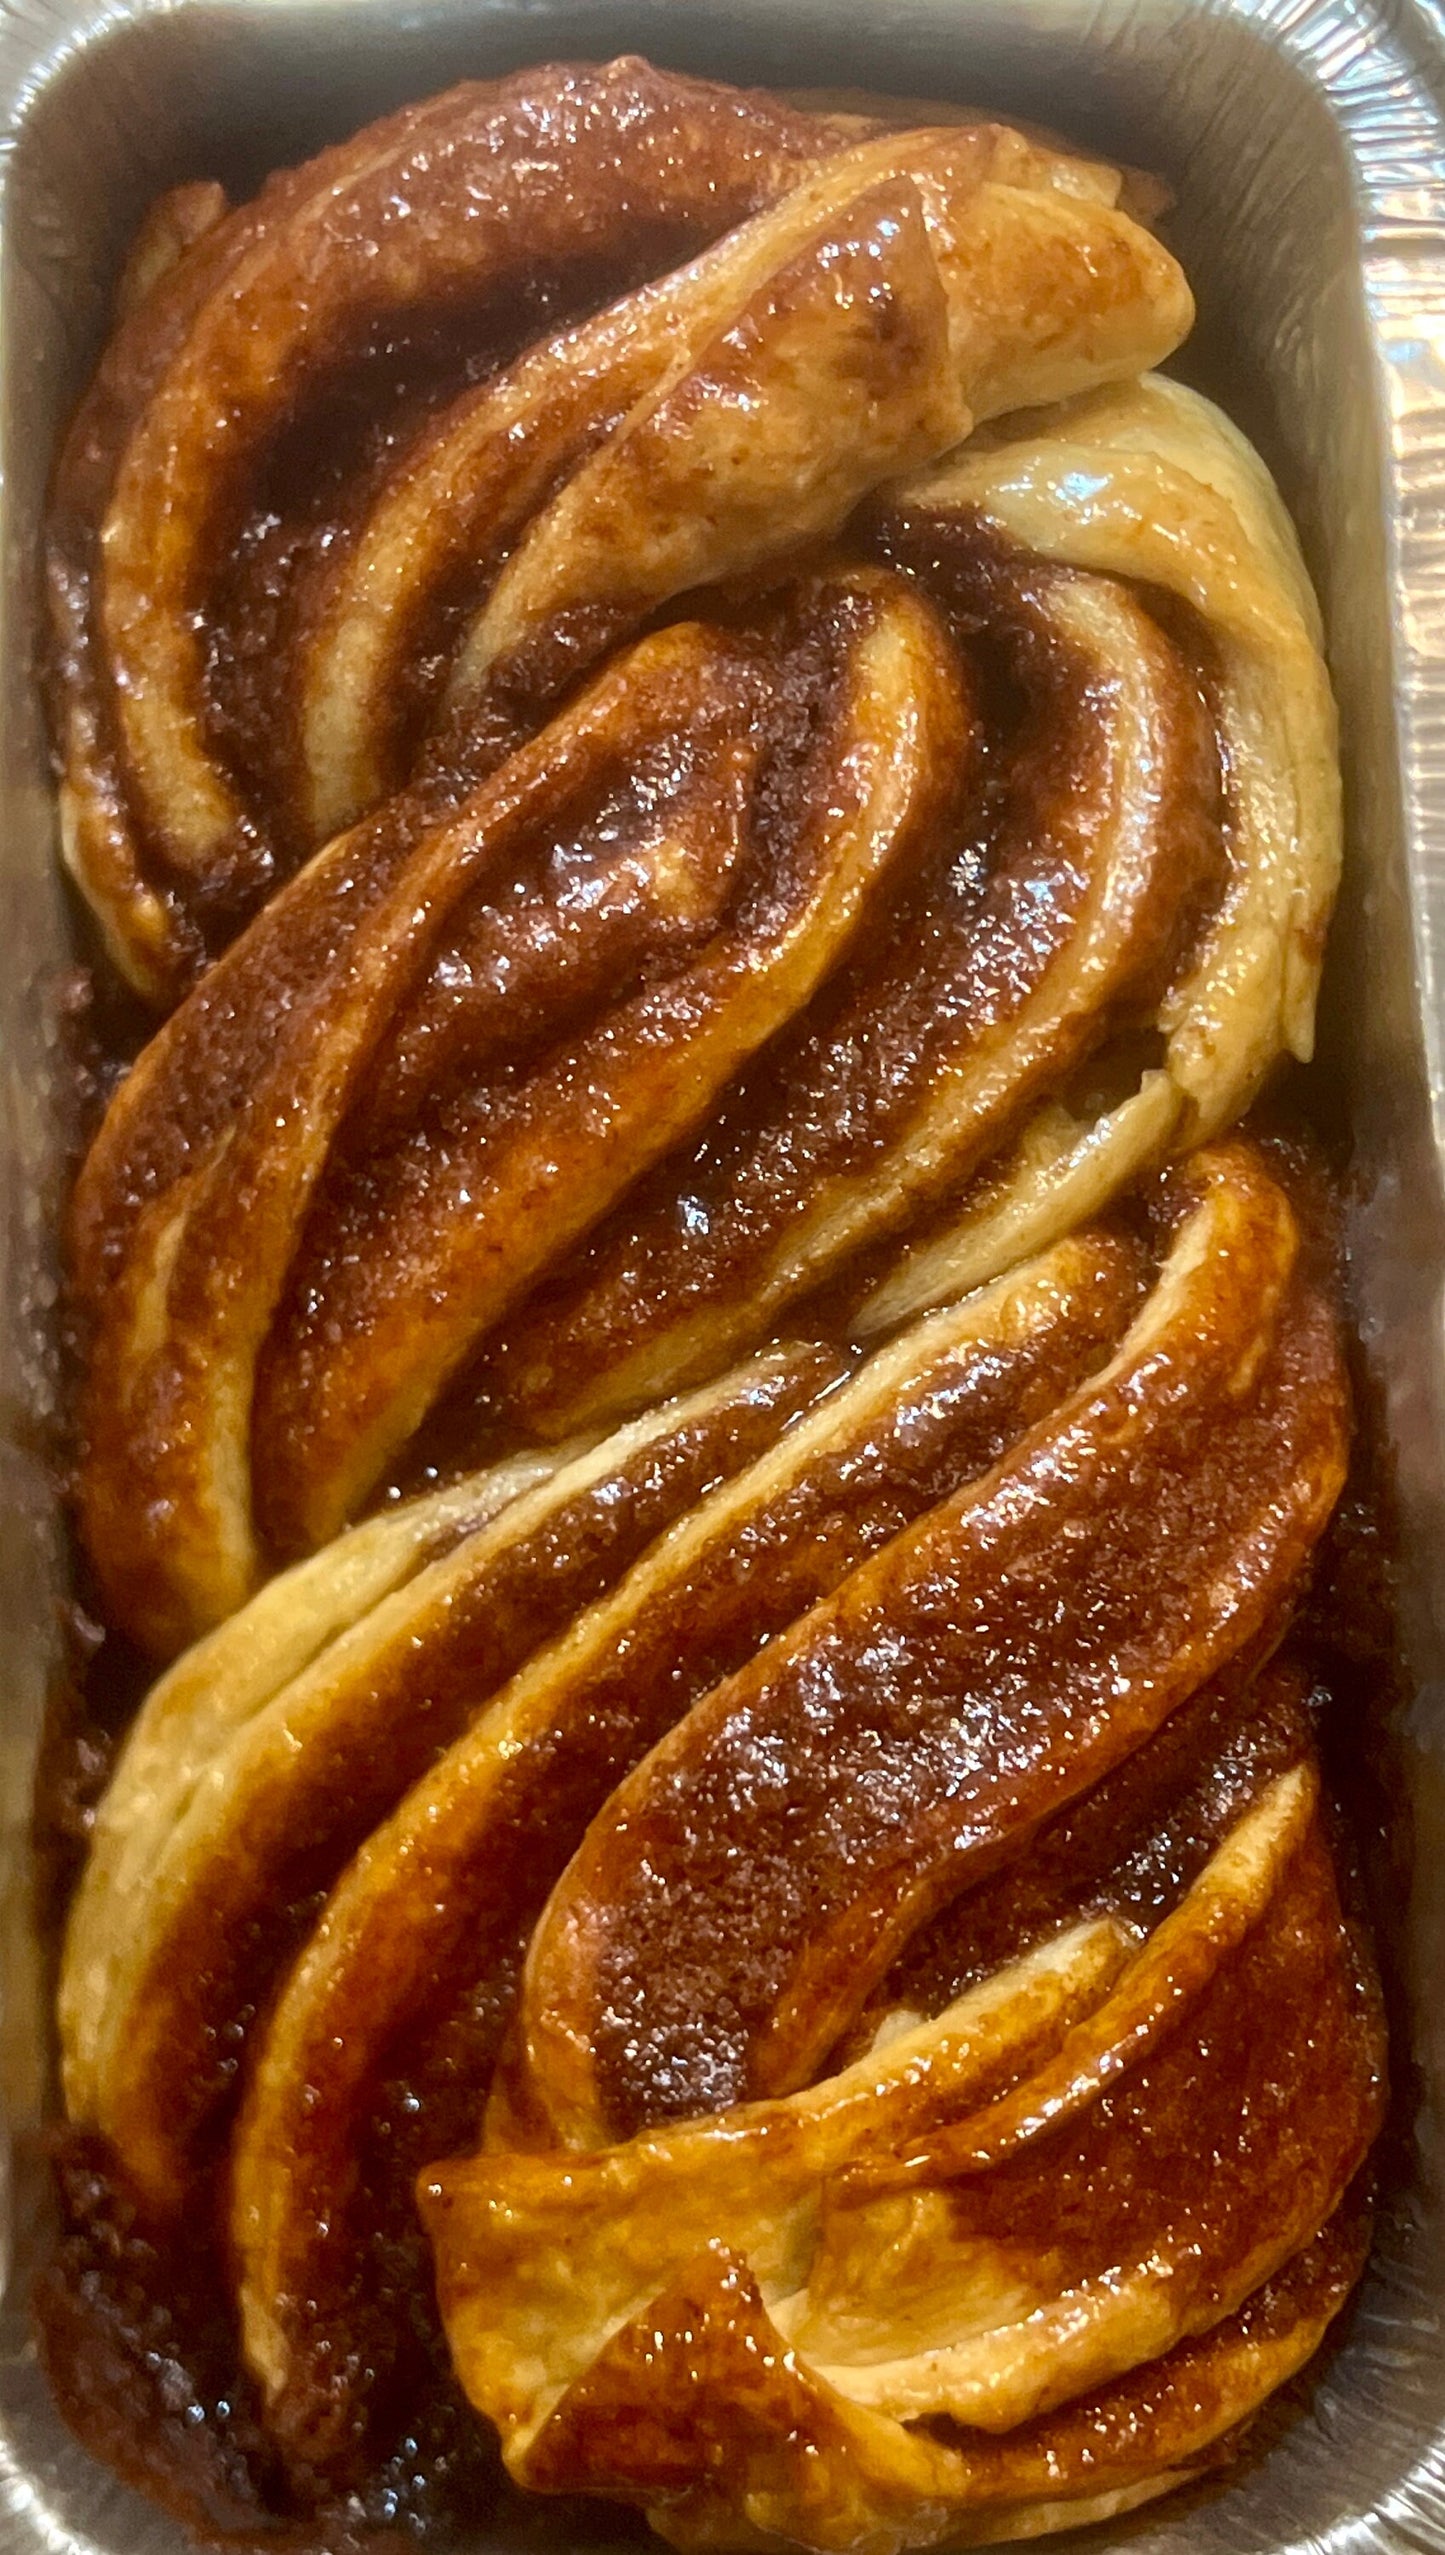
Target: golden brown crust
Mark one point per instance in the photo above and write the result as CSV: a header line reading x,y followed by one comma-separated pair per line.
x,y
891,1093
318,1738
756,2457
745,791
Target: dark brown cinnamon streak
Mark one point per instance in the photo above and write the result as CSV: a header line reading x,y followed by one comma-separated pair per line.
x,y
951,1698
787,956
673,892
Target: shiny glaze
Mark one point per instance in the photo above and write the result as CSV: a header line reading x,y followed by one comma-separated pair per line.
x,y
653,879
686,888
242,1096
695,2396
238,503
1132,1845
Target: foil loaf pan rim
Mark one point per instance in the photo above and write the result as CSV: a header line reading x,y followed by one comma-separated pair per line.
x,y
1357,89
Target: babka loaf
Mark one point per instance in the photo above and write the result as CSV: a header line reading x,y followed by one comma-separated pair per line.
x,y
723,799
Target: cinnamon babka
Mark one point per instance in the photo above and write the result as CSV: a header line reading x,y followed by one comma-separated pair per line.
x,y
728,797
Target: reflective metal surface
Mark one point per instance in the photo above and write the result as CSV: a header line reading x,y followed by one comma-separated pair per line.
x,y
1306,142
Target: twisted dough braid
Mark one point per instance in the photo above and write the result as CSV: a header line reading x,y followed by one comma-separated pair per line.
x,y
565,1097
1146,482
417,1066
1010,2324
947,1690
254,644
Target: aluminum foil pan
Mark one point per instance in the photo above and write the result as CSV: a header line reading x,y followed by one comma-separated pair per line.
x,y
1306,142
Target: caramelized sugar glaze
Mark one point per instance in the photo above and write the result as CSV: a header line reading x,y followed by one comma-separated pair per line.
x,y
724,1447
